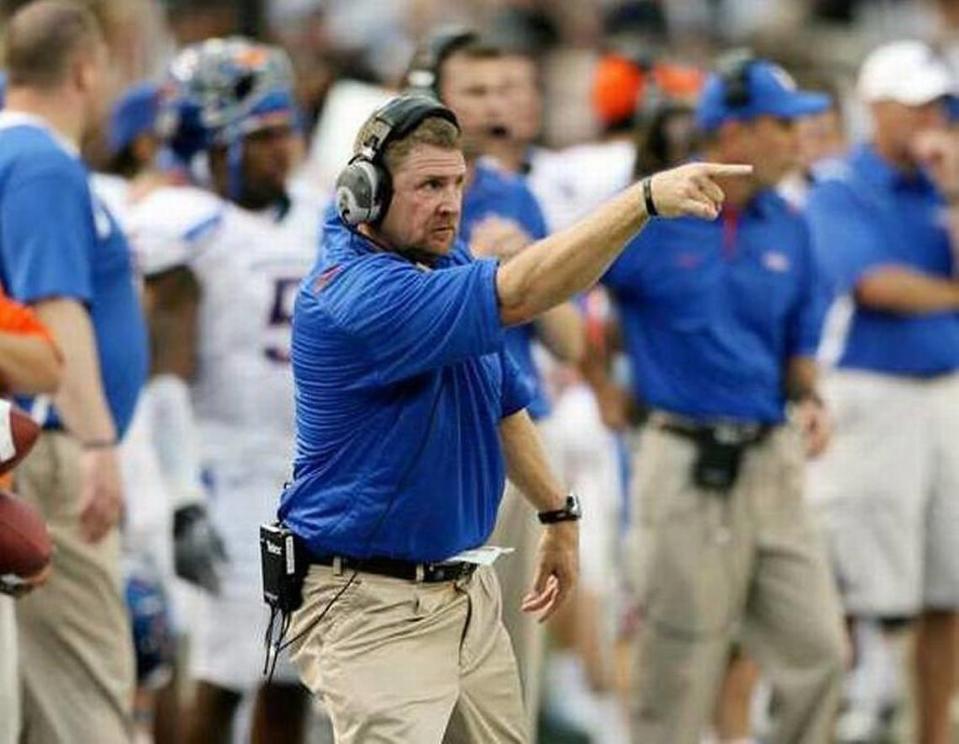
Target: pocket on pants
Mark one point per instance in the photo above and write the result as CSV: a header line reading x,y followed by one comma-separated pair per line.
x,y
328,599
687,588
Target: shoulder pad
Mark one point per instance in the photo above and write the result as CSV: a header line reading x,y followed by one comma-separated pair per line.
x,y
171,225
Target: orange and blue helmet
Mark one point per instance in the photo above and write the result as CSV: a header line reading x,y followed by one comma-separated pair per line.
x,y
220,90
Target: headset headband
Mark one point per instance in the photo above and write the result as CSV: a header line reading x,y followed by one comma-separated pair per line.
x,y
424,72
733,70
396,119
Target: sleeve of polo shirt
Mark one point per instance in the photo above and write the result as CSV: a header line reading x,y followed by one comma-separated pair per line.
x,y
410,321
46,223
517,387
625,275
809,311
846,243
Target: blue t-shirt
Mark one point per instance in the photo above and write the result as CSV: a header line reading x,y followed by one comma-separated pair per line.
x,y
864,215
401,383
494,192
58,240
712,311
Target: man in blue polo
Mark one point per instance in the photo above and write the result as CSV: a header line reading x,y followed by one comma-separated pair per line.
x,y
62,252
884,224
721,321
409,415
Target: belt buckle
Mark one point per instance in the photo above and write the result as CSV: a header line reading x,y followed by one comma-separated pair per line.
x,y
728,434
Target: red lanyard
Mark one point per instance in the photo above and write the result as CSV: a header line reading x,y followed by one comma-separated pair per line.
x,y
730,217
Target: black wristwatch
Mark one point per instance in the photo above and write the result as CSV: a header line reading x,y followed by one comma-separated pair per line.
x,y
571,512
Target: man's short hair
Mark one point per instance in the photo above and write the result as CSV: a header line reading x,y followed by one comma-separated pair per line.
x,y
433,130
42,38
475,48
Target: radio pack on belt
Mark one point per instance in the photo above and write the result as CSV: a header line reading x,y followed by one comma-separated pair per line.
x,y
719,449
284,566
716,466
719,452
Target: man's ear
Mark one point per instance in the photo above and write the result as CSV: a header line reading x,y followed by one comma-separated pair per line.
x,y
85,68
144,148
82,72
729,136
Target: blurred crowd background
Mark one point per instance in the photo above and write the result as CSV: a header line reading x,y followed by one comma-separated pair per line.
x,y
334,44
820,41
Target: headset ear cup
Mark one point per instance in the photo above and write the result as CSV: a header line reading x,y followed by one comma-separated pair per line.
x,y
358,197
384,193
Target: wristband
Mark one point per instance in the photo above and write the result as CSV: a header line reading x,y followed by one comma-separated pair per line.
x,y
648,197
571,512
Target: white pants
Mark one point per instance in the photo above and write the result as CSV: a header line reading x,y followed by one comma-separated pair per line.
x,y
887,491
584,453
228,648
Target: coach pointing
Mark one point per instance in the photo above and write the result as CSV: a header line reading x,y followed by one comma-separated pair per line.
x,y
409,415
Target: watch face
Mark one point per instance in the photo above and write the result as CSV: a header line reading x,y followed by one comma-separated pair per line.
x,y
572,505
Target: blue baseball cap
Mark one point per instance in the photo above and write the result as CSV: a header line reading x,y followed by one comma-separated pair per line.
x,y
133,114
768,90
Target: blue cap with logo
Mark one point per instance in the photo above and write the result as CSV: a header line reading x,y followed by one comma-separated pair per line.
x,y
745,87
133,114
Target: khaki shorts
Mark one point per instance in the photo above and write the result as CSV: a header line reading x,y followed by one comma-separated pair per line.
x,y
887,491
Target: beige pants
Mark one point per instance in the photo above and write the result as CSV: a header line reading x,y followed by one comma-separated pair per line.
x,y
517,527
747,564
76,653
401,662
9,682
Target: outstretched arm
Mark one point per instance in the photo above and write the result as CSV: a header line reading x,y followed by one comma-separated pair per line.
x,y
554,269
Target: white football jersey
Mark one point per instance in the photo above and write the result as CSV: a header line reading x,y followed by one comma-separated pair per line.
x,y
570,183
249,266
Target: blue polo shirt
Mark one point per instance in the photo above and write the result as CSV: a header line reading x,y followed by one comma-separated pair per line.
x,y
711,311
494,192
865,214
401,383
58,240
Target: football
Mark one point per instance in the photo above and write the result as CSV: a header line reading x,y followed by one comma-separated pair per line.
x,y
18,432
25,545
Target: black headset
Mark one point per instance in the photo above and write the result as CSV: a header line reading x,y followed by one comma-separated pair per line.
x,y
733,70
423,75
364,187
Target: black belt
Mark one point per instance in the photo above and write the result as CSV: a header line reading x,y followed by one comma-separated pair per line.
x,y
397,569
735,434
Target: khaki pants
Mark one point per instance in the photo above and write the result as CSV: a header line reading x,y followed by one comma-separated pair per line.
x,y
517,527
747,564
401,662
76,652
9,682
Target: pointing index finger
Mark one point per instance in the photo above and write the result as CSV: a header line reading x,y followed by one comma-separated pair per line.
x,y
727,169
